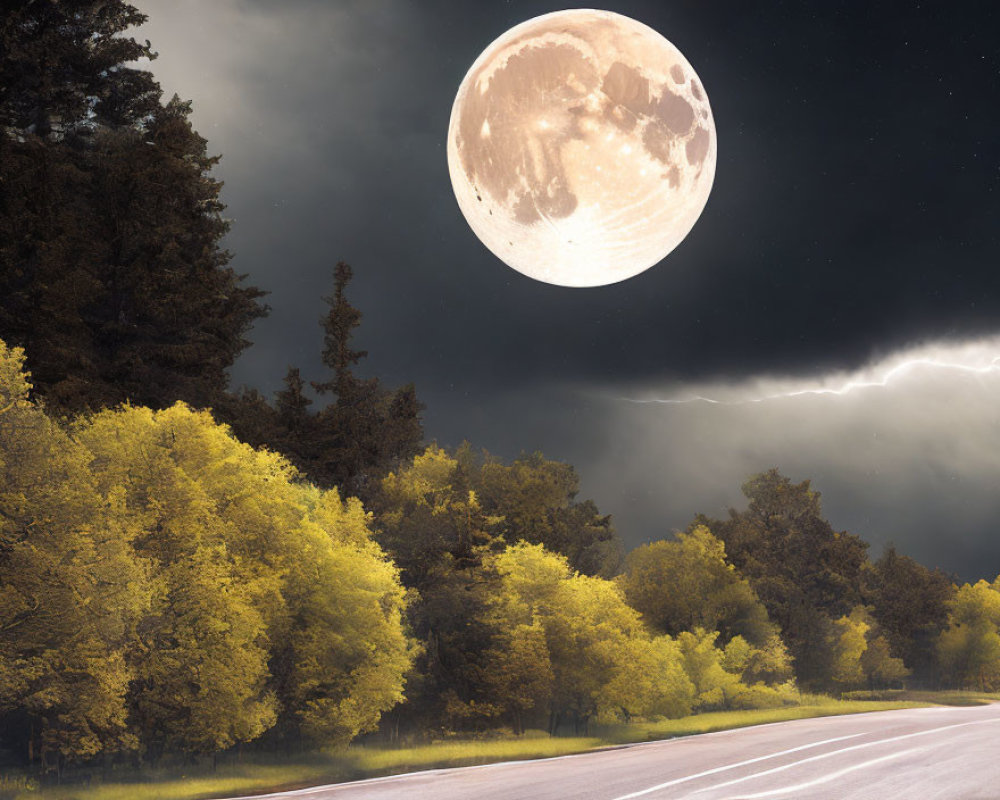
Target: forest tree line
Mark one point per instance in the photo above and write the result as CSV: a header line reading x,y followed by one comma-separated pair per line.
x,y
185,569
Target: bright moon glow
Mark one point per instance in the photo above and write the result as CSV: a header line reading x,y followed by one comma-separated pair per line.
x,y
978,357
581,147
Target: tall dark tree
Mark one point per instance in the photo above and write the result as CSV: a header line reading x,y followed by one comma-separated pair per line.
x,y
367,429
63,68
252,418
910,604
112,276
291,403
806,573
338,331
357,438
295,426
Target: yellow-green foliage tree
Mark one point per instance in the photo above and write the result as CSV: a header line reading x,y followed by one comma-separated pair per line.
x,y
601,659
704,663
432,524
431,518
440,517
861,656
272,604
686,583
71,592
201,655
535,500
518,675
969,649
731,677
849,645
344,645
653,683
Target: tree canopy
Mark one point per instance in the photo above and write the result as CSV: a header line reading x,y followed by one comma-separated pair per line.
x,y
167,588
910,604
805,573
687,583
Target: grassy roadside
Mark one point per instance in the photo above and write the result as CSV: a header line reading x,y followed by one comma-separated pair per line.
x,y
365,762
949,698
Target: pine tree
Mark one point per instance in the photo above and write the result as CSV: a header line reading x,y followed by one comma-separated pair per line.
x,y
291,403
367,429
363,433
111,273
338,330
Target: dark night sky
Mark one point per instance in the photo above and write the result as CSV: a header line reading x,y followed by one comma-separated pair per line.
x,y
854,217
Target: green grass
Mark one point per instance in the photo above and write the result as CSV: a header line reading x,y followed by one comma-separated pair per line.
x,y
370,761
351,764
726,720
952,698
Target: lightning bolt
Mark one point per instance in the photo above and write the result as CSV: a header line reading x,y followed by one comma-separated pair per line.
x,y
968,359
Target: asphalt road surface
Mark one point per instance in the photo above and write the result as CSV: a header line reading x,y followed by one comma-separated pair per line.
x,y
913,754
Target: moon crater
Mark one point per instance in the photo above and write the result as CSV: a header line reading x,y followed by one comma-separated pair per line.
x,y
583,138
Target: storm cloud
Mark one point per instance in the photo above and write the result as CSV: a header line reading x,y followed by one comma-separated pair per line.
x,y
904,450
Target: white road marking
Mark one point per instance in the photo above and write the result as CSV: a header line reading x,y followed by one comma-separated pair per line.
x,y
831,775
738,764
832,753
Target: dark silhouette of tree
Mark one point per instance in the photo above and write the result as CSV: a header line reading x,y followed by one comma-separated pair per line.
x,y
357,438
111,272
806,573
338,330
910,603
367,429
291,402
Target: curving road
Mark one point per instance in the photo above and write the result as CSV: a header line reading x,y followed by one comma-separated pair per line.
x,y
913,754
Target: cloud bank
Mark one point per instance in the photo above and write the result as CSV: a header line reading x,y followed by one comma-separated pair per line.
x,y
904,450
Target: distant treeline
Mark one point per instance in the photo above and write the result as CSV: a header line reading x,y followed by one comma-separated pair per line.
x,y
185,570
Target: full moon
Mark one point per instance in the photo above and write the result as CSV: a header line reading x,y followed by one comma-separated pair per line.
x,y
581,147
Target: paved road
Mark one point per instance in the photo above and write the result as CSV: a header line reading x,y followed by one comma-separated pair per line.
x,y
914,754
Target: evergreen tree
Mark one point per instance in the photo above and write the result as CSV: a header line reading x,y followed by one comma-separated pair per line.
x,y
367,429
63,68
338,330
291,403
253,420
111,272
